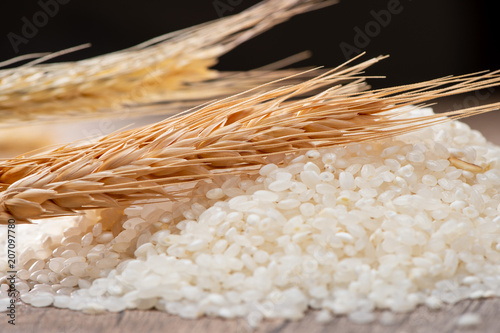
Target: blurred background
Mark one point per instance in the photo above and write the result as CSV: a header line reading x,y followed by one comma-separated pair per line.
x,y
425,39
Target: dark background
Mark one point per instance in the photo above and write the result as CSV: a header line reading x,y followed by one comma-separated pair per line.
x,y
428,39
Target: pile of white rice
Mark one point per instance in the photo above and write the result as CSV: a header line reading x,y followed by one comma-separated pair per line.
x,y
389,224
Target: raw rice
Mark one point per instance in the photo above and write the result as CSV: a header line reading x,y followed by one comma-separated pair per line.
x,y
389,224
469,320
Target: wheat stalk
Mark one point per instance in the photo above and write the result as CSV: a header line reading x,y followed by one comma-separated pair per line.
x,y
233,135
167,68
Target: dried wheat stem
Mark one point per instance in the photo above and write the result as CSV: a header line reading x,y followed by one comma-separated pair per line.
x,y
233,135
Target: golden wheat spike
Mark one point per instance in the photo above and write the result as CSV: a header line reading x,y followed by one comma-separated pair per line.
x,y
167,68
233,135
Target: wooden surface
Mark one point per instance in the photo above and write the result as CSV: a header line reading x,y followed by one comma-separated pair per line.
x,y
423,320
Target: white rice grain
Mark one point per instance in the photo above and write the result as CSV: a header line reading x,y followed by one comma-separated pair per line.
x,y
347,230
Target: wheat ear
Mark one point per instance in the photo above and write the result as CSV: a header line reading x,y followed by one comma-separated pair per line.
x,y
233,135
166,68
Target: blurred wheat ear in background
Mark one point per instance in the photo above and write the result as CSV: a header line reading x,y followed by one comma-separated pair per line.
x,y
171,68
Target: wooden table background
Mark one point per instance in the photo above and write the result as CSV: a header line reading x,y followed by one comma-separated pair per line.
x,y
29,319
